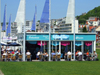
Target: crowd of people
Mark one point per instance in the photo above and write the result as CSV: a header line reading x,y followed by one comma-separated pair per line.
x,y
6,52
79,56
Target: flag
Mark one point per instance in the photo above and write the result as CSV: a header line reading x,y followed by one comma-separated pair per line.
x,y
34,20
4,20
9,27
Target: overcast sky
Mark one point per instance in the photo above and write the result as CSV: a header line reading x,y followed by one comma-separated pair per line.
x,y
58,8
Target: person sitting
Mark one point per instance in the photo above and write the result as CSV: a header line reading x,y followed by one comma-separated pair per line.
x,y
95,56
4,56
45,56
37,55
87,55
65,56
58,52
68,55
53,53
13,55
76,55
28,54
79,55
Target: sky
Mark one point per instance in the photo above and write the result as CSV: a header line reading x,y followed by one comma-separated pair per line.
x,y
58,8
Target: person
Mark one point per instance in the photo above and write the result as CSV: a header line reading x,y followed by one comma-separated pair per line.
x,y
4,53
76,55
45,56
95,55
79,55
18,53
4,56
68,54
37,55
65,56
13,53
58,52
28,53
87,55
53,53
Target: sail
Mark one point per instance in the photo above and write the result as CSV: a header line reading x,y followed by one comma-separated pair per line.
x,y
70,12
20,17
4,20
34,20
45,13
44,21
9,27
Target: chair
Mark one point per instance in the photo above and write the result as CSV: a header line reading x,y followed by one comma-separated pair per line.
x,y
4,57
40,57
54,58
80,58
9,57
58,57
20,57
69,57
13,58
28,57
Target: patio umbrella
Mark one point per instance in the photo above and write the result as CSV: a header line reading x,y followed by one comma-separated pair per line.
x,y
13,44
2,44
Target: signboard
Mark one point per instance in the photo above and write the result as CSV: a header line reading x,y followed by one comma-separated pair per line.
x,y
85,37
59,37
37,37
6,39
80,37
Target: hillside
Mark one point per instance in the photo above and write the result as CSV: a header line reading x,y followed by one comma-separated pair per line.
x,y
92,13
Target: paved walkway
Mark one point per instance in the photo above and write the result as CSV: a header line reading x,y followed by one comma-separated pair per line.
x,y
1,73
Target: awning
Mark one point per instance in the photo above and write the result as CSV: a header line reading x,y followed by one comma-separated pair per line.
x,y
78,43
43,43
65,43
32,42
55,43
88,43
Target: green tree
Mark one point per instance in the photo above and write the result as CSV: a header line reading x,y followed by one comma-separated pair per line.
x,y
84,29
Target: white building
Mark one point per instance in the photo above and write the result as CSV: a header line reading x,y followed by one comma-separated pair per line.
x,y
67,24
93,21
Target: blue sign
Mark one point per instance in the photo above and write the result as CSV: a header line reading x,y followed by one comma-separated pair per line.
x,y
70,37
37,37
59,37
85,37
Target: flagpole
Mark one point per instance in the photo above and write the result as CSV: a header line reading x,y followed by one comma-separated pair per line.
x,y
35,16
49,31
0,30
24,38
74,29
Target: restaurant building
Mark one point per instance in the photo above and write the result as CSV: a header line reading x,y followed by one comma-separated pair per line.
x,y
63,42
